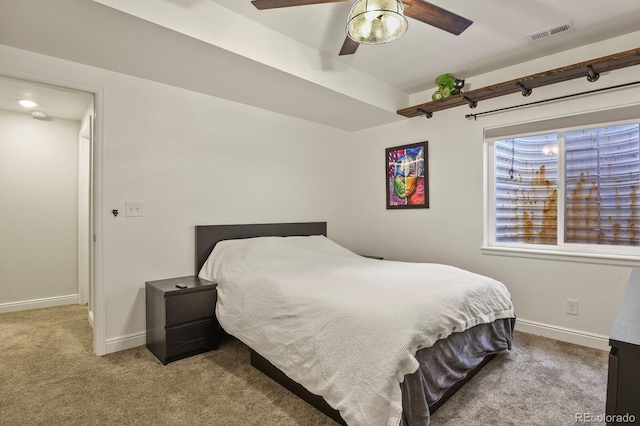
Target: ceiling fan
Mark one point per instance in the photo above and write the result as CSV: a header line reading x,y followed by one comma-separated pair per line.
x,y
363,15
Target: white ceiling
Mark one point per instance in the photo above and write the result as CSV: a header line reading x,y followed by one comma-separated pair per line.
x,y
53,101
286,60
496,39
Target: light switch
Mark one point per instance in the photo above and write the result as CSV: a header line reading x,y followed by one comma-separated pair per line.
x,y
134,208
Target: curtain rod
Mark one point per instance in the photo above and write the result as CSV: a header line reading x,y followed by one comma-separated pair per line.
x,y
475,116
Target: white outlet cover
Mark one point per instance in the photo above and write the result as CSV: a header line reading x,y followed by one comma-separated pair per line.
x,y
134,208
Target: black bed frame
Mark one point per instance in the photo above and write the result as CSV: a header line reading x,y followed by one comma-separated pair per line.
x,y
206,239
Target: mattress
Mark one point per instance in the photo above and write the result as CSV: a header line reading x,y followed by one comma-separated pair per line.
x,y
345,327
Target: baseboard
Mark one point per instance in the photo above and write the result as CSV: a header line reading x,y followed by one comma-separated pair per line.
x,y
562,334
46,302
576,337
123,343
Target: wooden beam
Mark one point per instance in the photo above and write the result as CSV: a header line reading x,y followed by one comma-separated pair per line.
x,y
606,63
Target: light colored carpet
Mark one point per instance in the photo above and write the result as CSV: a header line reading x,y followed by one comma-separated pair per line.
x,y
539,382
49,376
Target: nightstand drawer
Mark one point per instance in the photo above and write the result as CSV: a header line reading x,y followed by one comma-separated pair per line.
x,y
191,306
191,337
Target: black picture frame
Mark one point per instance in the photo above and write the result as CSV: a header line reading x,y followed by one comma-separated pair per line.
x,y
407,176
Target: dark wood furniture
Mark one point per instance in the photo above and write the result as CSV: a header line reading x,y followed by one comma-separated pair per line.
x,y
262,364
208,236
206,239
623,387
181,321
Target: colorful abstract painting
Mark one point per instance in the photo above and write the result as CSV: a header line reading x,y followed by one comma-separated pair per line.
x,y
407,178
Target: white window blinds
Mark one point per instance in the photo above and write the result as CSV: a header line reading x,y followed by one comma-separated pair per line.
x,y
600,192
602,175
526,189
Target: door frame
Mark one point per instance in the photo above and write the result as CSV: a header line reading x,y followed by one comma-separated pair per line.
x,y
97,313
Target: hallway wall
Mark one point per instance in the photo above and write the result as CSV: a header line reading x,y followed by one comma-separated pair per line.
x,y
38,211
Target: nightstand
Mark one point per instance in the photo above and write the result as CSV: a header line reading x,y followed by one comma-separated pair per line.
x,y
181,321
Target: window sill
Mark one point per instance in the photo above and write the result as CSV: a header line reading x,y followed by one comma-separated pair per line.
x,y
567,256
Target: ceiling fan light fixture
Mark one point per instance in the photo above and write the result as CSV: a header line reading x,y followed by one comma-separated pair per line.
x,y
376,21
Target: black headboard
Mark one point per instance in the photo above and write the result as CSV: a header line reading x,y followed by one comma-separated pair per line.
x,y
207,236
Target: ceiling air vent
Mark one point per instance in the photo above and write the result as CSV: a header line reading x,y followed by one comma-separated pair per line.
x,y
550,32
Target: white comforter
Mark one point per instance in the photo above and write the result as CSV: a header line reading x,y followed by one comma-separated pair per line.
x,y
345,327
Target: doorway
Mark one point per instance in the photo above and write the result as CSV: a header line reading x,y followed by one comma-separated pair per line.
x,y
46,146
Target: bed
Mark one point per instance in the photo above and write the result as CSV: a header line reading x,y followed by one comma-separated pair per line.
x,y
253,307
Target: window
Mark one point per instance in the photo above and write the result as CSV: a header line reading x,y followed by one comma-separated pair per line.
x,y
602,174
572,190
526,188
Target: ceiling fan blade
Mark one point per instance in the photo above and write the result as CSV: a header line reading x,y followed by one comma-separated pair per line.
x,y
273,4
349,46
436,16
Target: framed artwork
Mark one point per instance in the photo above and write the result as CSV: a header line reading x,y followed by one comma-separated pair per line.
x,y
407,176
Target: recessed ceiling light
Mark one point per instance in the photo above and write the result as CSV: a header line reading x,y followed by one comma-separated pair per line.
x,y
27,103
38,114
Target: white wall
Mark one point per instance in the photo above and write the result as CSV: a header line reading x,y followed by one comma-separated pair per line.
x,y
450,231
38,211
191,159
194,159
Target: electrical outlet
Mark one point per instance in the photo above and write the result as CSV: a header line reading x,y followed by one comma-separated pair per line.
x,y
572,307
134,208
